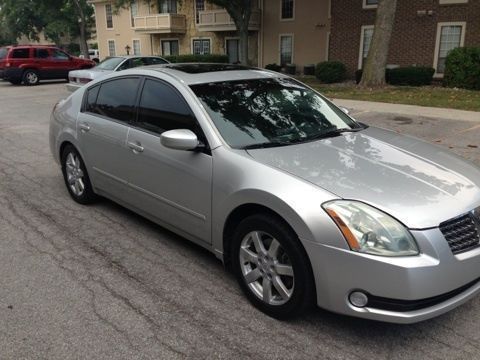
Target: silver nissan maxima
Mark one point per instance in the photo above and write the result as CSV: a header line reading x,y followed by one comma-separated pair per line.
x,y
302,202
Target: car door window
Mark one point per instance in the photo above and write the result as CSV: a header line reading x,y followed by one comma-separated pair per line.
x,y
91,99
116,99
59,55
162,108
139,62
155,61
127,64
41,53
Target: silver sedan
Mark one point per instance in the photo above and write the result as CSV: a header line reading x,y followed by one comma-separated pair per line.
x,y
78,78
304,204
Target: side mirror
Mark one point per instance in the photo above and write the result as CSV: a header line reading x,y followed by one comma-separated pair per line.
x,y
181,139
345,110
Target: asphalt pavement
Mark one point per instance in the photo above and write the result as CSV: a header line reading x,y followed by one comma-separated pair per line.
x,y
99,282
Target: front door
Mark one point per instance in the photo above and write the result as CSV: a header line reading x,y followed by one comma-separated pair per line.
x,y
62,63
233,50
171,185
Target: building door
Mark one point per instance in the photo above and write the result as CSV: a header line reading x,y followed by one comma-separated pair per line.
x,y
233,50
169,47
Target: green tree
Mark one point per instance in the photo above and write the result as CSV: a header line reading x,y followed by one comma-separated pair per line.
x,y
56,18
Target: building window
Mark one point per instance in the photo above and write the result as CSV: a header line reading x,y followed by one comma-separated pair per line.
x,y
169,47
111,48
449,37
136,47
167,6
370,4
133,12
201,46
109,15
287,9
365,42
199,6
286,49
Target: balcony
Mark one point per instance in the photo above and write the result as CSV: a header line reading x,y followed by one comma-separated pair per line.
x,y
161,24
220,20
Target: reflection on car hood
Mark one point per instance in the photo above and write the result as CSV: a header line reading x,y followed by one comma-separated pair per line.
x,y
89,73
418,183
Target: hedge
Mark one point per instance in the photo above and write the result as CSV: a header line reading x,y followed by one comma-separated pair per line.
x,y
190,58
462,68
409,76
330,71
273,67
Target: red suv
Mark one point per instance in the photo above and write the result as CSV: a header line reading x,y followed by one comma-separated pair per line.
x,y
31,63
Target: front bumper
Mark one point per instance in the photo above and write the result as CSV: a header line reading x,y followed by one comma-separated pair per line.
x,y
431,284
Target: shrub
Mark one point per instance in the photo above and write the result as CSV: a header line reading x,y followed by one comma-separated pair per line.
x,y
462,68
190,58
273,67
330,71
411,76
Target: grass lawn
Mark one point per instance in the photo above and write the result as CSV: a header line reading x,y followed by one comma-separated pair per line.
x,y
434,96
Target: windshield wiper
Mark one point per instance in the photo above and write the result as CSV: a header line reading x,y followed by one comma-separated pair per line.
x,y
268,145
333,133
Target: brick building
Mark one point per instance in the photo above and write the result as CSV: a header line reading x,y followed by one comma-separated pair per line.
x,y
424,31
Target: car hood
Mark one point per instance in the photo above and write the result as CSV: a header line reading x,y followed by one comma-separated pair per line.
x,y
420,184
92,73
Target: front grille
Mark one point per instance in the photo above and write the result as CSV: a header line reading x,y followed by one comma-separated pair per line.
x,y
462,233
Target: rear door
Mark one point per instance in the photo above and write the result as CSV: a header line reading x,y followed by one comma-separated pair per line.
x,y
102,129
42,62
172,185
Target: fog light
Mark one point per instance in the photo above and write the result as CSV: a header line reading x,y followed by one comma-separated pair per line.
x,y
358,299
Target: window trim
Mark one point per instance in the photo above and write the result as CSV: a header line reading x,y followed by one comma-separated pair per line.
x,y
292,35
201,38
293,14
362,39
368,7
463,24
106,17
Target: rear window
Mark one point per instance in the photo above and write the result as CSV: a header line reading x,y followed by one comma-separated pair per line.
x,y
21,53
3,53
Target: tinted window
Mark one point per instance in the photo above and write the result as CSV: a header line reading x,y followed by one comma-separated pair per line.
x,y
3,53
60,55
21,53
92,99
155,61
110,63
116,99
127,64
162,109
41,53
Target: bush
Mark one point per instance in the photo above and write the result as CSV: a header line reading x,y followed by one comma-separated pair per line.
x,y
462,68
212,58
411,76
330,71
273,67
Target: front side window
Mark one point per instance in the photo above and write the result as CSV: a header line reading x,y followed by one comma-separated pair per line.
x,y
109,15
201,47
167,6
111,48
116,99
269,112
450,38
21,53
169,47
286,49
287,10
162,108
59,55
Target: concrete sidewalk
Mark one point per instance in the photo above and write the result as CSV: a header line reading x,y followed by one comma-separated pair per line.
x,y
408,110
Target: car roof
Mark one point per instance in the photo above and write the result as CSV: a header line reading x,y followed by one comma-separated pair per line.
x,y
200,73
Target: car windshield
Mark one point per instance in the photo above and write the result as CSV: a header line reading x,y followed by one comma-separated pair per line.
x,y
110,63
270,112
3,53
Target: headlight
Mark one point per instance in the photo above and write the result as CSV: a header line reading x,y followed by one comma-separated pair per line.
x,y
371,231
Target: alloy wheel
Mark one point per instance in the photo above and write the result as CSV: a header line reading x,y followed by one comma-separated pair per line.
x,y
75,176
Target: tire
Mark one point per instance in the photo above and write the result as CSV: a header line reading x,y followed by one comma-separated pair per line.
x,y
30,77
76,177
286,271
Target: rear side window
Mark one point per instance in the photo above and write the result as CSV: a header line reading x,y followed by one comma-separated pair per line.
x,y
162,108
41,53
21,53
3,53
116,99
91,100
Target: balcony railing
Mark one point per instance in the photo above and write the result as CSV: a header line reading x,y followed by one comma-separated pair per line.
x,y
161,23
220,20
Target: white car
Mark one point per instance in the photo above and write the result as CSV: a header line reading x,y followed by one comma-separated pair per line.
x,y
78,78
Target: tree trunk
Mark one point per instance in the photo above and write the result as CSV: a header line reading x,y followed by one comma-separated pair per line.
x,y
243,55
376,63
83,30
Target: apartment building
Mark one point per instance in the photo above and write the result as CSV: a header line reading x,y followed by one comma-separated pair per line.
x,y
281,31
423,34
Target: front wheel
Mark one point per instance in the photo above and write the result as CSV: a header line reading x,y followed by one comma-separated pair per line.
x,y
30,78
272,267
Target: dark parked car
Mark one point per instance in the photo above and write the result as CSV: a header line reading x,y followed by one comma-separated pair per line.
x,y
31,63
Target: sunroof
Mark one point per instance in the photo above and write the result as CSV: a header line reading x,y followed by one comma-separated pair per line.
x,y
206,68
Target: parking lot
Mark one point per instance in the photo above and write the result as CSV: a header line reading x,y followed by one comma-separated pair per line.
x,y
100,282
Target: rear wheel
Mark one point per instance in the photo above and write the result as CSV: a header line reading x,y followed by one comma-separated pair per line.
x,y
272,267
30,77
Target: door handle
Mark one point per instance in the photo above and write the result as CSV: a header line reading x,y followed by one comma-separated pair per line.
x,y
84,127
136,147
